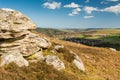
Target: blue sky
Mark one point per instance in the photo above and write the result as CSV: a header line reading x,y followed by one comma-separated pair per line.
x,y
69,13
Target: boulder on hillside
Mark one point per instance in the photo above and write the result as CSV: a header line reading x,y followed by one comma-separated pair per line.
x,y
78,62
55,61
112,49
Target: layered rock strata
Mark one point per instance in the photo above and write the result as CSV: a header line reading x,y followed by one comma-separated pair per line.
x,y
16,35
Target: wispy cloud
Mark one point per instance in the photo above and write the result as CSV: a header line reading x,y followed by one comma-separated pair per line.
x,y
107,1
114,9
52,5
87,17
112,0
75,7
74,12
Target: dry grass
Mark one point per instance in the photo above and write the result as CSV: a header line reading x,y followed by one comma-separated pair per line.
x,y
100,64
108,31
36,71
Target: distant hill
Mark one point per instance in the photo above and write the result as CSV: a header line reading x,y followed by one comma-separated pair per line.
x,y
63,33
51,32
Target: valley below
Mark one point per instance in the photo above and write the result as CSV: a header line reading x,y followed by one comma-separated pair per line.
x,y
108,38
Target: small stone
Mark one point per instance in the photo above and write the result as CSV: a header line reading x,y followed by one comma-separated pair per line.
x,y
112,49
57,47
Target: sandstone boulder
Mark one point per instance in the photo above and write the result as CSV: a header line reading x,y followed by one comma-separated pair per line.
x,y
15,57
16,34
17,40
78,62
55,61
14,24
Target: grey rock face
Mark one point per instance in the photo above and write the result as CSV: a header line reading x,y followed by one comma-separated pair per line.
x,y
55,61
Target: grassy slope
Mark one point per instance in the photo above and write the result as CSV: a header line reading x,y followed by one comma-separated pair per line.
x,y
100,63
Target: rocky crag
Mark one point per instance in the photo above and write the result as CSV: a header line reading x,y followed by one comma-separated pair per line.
x,y
20,45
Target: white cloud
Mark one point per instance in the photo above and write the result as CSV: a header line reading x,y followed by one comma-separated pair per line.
x,y
74,12
76,8
114,9
72,5
89,9
52,5
86,17
70,14
112,0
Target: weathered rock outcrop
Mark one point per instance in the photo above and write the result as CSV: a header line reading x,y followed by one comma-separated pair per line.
x,y
19,44
16,36
14,24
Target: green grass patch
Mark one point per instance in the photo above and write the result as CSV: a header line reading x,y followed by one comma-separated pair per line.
x,y
47,52
80,36
114,39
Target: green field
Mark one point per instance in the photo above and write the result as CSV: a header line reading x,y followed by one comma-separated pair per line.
x,y
106,35
110,36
